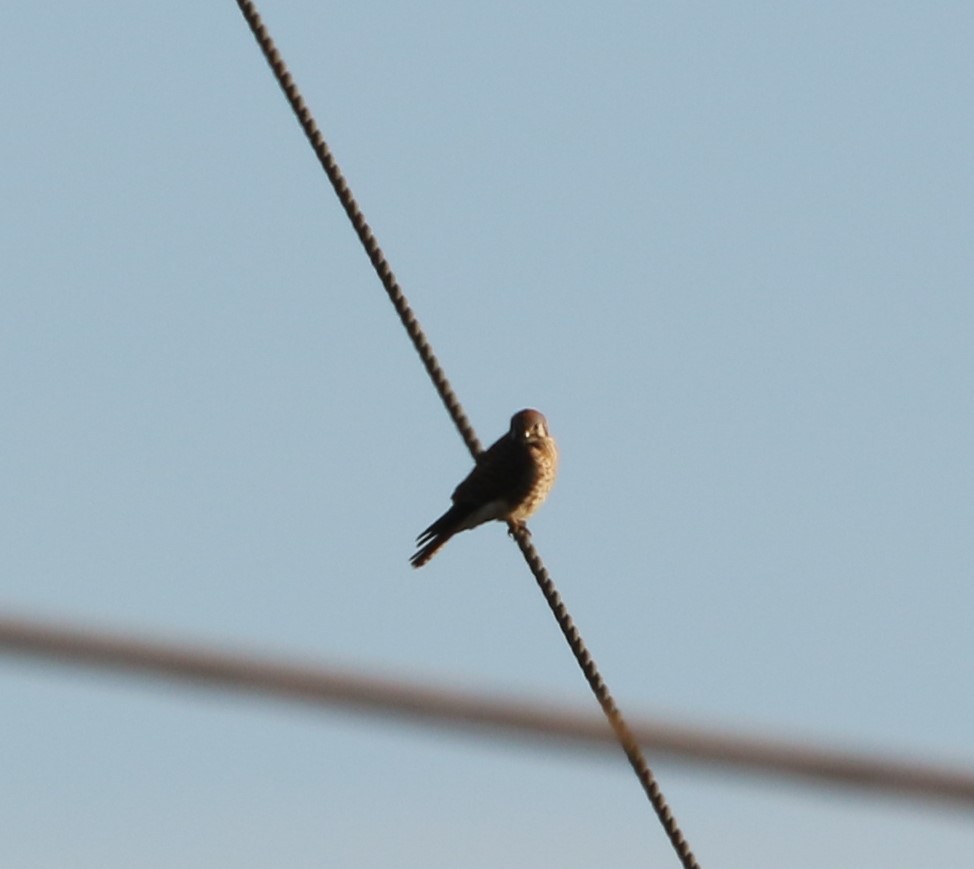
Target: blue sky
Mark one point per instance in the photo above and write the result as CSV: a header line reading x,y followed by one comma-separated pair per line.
x,y
725,250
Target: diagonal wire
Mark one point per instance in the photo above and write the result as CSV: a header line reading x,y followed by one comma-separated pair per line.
x,y
403,699
362,228
625,736
452,403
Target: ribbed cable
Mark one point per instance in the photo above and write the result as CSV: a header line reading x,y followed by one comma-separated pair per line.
x,y
362,228
452,404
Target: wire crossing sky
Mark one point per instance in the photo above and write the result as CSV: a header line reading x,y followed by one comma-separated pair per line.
x,y
626,739
332,687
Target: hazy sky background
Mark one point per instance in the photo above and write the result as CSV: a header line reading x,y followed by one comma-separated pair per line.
x,y
726,248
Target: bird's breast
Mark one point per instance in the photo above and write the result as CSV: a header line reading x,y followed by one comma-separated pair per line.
x,y
544,466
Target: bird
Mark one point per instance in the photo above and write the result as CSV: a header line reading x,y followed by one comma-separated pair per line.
x,y
508,483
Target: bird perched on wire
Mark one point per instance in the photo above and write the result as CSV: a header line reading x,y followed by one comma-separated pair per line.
x,y
509,482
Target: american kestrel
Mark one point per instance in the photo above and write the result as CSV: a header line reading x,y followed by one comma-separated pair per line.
x,y
509,482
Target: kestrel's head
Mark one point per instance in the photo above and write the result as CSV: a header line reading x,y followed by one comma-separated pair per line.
x,y
528,425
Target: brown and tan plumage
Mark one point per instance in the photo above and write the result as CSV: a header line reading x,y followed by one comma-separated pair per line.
x,y
509,482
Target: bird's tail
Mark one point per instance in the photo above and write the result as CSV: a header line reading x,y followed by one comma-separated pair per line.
x,y
435,537
429,550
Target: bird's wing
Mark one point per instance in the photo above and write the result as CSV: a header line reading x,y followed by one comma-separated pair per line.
x,y
500,474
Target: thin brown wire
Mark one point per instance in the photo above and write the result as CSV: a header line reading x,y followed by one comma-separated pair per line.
x,y
625,736
398,697
362,228
452,404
